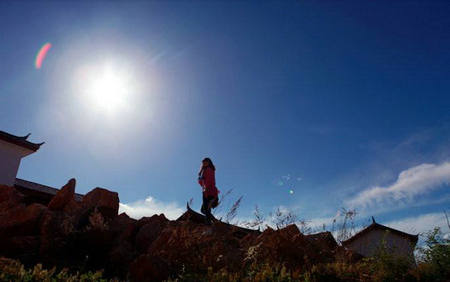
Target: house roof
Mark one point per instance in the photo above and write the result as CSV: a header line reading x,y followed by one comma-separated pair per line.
x,y
20,141
376,226
33,186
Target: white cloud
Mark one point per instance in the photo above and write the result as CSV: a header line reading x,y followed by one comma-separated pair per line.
x,y
412,182
317,223
151,206
420,224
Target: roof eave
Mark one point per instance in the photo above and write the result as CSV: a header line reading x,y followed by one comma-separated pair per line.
x,y
413,238
20,141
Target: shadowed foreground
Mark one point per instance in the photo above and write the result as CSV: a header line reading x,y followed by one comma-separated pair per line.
x,y
90,235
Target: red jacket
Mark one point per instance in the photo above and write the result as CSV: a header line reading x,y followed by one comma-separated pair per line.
x,y
207,180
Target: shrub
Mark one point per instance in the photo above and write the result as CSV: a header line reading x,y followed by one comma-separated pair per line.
x,y
12,270
434,262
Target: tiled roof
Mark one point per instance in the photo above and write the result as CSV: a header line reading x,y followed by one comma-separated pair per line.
x,y
41,188
20,141
374,226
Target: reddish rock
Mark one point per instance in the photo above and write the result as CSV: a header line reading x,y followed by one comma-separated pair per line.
x,y
96,244
122,253
286,246
9,198
20,246
123,227
148,268
106,202
51,232
59,237
190,244
56,223
289,231
152,219
291,248
21,220
119,259
63,196
72,207
23,248
323,241
149,231
90,235
197,247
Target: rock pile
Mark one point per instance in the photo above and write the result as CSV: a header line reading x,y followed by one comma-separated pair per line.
x,y
90,235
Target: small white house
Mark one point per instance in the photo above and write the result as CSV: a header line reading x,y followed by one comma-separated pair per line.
x,y
12,150
368,241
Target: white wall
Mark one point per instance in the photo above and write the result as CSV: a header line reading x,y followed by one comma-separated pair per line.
x,y
369,243
10,156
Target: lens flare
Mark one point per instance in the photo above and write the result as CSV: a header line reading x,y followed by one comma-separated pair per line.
x,y
41,55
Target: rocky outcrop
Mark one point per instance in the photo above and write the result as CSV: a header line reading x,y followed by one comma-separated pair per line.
x,y
90,235
149,231
21,220
149,267
63,196
106,202
9,198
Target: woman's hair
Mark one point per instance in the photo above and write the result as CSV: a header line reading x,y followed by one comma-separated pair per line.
x,y
210,163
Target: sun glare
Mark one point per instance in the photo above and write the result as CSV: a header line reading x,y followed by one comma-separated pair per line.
x,y
108,90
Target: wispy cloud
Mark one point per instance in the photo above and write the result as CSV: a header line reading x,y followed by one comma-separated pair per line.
x,y
151,206
318,223
412,182
421,223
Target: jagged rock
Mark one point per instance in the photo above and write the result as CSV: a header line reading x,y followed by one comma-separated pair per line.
x,y
289,231
197,246
149,268
54,231
286,246
90,235
22,247
152,227
152,219
323,241
63,196
119,259
123,252
64,242
189,243
21,220
96,245
72,207
106,202
124,227
9,198
19,225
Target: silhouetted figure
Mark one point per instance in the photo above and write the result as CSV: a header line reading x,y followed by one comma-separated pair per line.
x,y
206,179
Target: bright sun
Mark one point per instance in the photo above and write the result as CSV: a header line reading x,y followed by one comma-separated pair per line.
x,y
109,91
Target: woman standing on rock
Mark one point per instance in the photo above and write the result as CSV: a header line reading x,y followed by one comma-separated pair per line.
x,y
206,179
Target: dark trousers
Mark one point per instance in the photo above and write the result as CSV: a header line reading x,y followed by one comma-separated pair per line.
x,y
206,208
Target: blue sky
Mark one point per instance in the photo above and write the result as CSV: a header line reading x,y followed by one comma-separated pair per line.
x,y
345,103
